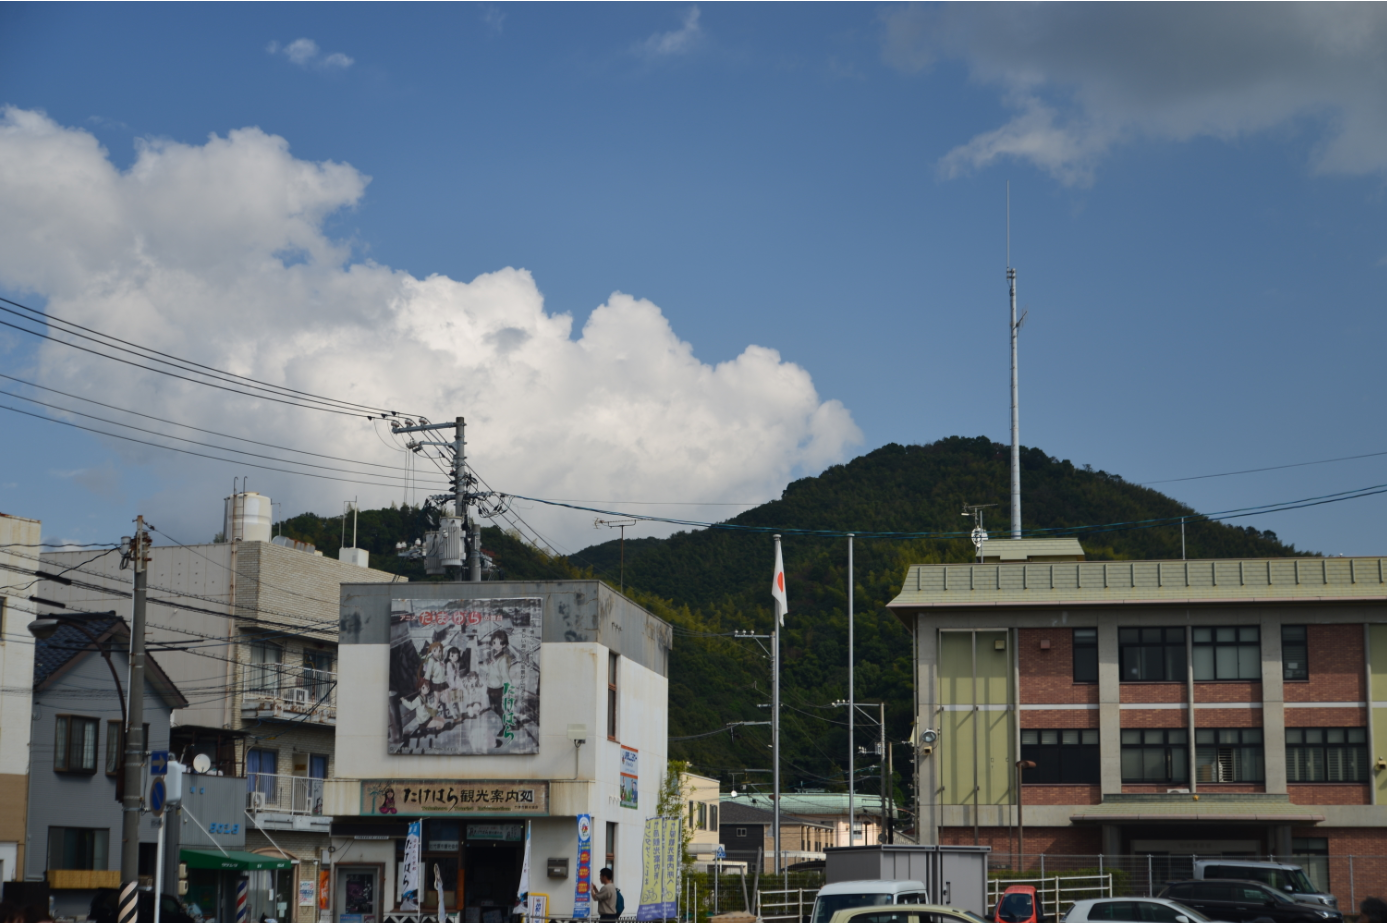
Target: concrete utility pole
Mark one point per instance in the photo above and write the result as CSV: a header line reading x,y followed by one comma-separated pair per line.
x,y
462,497
134,737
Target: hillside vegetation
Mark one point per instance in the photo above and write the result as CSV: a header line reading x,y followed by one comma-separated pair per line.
x,y
712,582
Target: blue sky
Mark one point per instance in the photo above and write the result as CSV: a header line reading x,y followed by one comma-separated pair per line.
x,y
1197,223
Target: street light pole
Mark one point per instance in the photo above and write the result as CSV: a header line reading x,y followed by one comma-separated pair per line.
x,y
134,738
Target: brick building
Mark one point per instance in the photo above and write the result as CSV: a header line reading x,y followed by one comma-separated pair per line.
x,y
1171,708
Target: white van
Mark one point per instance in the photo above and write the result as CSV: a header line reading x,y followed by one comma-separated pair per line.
x,y
1280,875
845,894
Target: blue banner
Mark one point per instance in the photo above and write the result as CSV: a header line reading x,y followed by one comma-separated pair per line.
x,y
582,897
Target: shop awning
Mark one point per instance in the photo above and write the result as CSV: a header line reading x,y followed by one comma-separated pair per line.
x,y
233,860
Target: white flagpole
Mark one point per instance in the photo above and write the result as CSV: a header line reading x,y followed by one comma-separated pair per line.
x,y
780,607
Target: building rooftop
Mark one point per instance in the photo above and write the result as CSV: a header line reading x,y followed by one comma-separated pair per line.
x,y
812,804
54,655
1003,550
736,813
1078,583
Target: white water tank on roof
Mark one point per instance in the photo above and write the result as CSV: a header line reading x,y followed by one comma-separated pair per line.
x,y
248,517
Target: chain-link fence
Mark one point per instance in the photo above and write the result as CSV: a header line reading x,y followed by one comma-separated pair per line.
x,y
1348,878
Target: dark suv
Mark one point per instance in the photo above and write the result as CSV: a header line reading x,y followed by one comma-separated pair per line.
x,y
1244,901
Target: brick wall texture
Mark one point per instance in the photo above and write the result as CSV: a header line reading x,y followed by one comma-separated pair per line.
x,y
1060,841
1336,666
1047,676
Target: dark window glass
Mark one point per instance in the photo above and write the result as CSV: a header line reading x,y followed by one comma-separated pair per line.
x,y
1228,755
1227,653
611,695
1151,654
1015,908
1151,912
1085,655
1295,652
1155,755
1061,756
75,743
81,848
1326,754
1213,891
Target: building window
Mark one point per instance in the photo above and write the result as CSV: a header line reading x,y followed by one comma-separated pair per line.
x,y
115,746
612,664
82,848
265,661
1227,653
261,771
1295,653
1151,655
1326,754
712,817
741,833
1228,755
1085,655
74,744
1312,854
1062,756
317,674
611,848
1155,755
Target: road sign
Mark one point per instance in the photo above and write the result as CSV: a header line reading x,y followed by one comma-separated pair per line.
x,y
156,796
159,762
721,852
979,537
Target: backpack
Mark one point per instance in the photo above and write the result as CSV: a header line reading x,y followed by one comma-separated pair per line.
x,y
620,903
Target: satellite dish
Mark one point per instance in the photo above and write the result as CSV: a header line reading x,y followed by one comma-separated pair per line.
x,y
202,762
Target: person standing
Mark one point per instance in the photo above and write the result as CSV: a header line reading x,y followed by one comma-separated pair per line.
x,y
606,896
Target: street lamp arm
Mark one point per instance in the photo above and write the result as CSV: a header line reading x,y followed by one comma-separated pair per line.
x,y
104,649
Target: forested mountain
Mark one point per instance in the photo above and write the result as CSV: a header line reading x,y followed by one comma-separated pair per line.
x,y
712,582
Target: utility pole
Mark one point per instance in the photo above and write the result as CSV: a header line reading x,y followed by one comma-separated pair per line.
x,y
1015,410
618,524
885,773
775,721
852,713
462,496
134,737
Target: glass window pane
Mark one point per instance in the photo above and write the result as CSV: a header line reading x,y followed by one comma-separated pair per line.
x,y
1131,737
1128,636
1227,735
1153,663
1049,738
1249,634
1295,736
1202,635
1175,662
1314,735
1249,661
1069,738
1175,636
1292,633
1225,634
1176,735
1204,663
1334,735
1179,764
1153,764
1090,737
1225,662
1131,765
60,741
1357,735
1150,636
1131,664
1030,738
1154,737
1204,735
1085,635
1252,735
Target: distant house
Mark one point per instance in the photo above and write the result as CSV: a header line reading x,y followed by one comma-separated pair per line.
x,y
746,834
73,836
701,797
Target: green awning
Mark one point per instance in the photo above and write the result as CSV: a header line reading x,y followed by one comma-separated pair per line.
x,y
233,860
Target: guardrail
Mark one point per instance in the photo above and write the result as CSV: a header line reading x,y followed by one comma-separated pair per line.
x,y
790,904
1057,892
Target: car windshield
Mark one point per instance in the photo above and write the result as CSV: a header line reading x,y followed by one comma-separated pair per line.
x,y
829,904
1015,908
1296,881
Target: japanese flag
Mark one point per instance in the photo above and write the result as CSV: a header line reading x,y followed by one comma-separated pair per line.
x,y
782,602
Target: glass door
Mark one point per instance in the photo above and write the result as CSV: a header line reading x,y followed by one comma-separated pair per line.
x,y
358,894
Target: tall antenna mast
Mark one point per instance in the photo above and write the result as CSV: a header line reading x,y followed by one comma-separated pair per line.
x,y
1015,410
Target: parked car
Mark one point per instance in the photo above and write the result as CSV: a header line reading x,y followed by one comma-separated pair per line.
x,y
1142,909
1289,878
906,913
1019,904
869,893
1243,901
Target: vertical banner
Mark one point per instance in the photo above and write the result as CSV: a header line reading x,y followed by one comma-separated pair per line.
x,y
324,889
660,869
582,896
409,872
630,794
523,889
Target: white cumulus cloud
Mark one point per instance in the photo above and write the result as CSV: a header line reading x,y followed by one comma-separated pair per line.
x,y
1085,78
676,41
305,53
216,252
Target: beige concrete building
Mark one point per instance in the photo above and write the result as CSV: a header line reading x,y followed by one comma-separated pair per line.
x,y
19,547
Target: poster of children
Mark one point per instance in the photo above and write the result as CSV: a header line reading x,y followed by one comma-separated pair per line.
x,y
464,676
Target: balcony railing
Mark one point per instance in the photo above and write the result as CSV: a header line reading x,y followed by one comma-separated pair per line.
x,y
277,794
276,691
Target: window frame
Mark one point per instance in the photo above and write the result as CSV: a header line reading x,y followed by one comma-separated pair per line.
x,y
1175,754
1300,748
115,737
1301,675
1215,645
1244,745
613,672
1061,761
266,676
64,737
98,839
1168,647
1085,652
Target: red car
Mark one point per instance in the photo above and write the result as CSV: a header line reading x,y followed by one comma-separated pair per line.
x,y
1019,904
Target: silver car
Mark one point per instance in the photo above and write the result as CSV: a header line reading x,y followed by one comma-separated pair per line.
x,y
1134,909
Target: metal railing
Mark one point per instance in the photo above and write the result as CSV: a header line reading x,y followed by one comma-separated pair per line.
x,y
289,693
790,904
1056,892
277,794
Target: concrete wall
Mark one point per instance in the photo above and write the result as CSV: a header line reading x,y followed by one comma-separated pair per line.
x,y
19,540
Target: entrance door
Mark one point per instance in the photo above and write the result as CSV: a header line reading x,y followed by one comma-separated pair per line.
x,y
358,894
491,880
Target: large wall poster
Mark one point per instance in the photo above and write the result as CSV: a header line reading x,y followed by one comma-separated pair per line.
x,y
464,676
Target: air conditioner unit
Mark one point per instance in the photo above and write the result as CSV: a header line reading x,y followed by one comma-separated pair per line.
x,y
257,801
298,696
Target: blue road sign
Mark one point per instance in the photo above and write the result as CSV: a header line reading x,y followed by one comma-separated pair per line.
x,y
159,763
156,796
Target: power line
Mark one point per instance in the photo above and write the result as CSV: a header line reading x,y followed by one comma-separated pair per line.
x,y
299,398
1322,461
